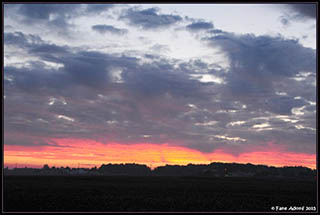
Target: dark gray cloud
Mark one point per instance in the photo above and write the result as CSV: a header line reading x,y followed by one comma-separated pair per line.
x,y
30,79
298,12
266,56
109,29
98,8
56,15
197,26
20,39
85,75
48,48
304,10
88,68
283,104
216,31
34,11
149,18
259,63
94,69
43,11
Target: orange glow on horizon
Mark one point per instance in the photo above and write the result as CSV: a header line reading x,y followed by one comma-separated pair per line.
x,y
89,153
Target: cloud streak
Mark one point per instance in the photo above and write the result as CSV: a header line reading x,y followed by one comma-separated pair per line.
x,y
149,18
109,29
197,26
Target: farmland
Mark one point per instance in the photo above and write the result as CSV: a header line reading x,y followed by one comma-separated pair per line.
x,y
154,193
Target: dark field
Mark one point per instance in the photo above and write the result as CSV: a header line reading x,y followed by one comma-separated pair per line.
x,y
123,193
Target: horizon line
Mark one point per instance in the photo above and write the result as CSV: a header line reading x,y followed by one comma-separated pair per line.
x,y
78,165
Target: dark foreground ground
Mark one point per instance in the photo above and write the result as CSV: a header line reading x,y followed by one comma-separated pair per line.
x,y
123,193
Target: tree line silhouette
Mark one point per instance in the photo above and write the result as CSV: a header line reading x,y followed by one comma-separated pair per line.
x,y
214,169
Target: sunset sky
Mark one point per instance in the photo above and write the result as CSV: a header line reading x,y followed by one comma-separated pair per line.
x,y
156,84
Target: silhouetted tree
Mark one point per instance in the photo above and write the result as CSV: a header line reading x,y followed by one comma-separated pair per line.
x,y
46,167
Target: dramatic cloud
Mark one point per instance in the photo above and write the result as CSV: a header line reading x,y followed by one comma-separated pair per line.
x,y
305,10
44,11
298,12
237,96
149,18
257,64
55,14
